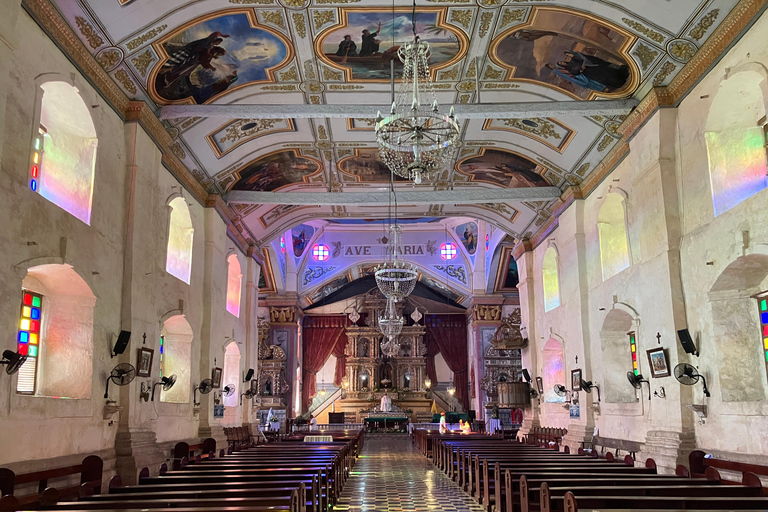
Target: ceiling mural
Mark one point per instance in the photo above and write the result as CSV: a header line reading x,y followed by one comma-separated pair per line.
x,y
301,236
578,54
289,52
204,60
467,233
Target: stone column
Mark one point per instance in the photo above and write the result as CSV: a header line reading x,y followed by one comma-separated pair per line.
x,y
252,272
483,316
523,254
285,316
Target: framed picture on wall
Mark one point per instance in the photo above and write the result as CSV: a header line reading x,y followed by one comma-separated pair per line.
x,y
540,385
144,364
657,360
576,379
216,377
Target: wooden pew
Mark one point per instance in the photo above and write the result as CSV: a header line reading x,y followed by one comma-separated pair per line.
x,y
90,471
573,502
204,449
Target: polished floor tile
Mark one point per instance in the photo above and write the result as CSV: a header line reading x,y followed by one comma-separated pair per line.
x,y
391,475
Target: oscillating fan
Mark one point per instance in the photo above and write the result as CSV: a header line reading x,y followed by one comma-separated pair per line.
x,y
248,395
13,361
686,374
166,382
228,390
205,387
121,375
587,386
560,390
637,381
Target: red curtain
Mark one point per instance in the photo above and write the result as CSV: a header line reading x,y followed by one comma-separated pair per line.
x,y
432,351
320,335
449,334
341,359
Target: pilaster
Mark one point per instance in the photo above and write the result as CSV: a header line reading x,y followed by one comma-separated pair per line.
x,y
137,449
667,448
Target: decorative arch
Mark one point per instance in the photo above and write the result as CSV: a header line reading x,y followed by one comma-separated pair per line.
x,y
550,279
735,139
181,233
739,301
64,144
231,373
612,231
234,284
553,365
176,358
56,333
617,354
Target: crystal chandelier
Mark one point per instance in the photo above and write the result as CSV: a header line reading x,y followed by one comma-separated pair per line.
x,y
391,325
395,278
415,140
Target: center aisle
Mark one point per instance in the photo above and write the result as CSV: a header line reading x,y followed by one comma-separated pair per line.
x,y
391,475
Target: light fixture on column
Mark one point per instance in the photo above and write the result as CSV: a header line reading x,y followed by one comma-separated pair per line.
x,y
451,389
415,140
427,383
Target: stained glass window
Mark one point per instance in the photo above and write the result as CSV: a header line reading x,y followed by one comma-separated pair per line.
x,y
448,251
320,252
762,307
550,280
633,348
37,158
28,340
162,347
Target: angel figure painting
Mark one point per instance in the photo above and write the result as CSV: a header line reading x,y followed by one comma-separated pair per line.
x,y
502,168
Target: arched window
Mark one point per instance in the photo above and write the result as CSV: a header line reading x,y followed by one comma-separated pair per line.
x,y
64,151
234,280
554,369
55,331
180,234
617,344
612,229
735,141
232,374
550,280
176,358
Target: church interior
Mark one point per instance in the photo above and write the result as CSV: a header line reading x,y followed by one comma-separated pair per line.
x,y
406,256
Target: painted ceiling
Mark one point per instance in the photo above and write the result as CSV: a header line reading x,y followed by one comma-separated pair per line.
x,y
287,52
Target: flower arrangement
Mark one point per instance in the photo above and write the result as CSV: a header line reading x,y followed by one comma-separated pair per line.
x,y
272,418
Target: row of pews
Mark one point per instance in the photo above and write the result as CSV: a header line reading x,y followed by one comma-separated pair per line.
x,y
294,476
509,476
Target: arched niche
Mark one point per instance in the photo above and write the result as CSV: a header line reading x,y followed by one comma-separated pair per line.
x,y
612,231
550,279
735,141
177,358
737,329
64,147
234,284
231,374
617,356
553,365
61,360
178,261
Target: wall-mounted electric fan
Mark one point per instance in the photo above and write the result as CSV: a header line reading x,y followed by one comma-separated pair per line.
x,y
686,374
13,361
166,382
121,375
587,386
205,387
248,395
637,381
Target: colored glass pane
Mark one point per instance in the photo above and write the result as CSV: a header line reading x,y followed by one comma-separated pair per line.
x,y
36,301
634,364
24,325
764,305
448,251
35,314
765,330
320,252
34,171
634,349
33,185
37,143
26,311
33,351
764,318
23,349
765,343
27,299
34,326
33,338
634,356
24,337
36,158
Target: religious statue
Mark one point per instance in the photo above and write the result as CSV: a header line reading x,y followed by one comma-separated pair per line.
x,y
443,426
464,427
268,388
386,403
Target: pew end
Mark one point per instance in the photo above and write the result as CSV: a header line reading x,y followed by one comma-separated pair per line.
x,y
9,503
681,470
115,482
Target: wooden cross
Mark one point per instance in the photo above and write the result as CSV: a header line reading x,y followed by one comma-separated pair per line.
x,y
658,337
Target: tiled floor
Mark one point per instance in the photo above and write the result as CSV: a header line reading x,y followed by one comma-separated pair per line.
x,y
391,475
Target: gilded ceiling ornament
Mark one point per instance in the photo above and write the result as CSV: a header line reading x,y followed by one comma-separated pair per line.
x,y
142,61
485,22
666,69
122,76
681,50
490,3
464,98
290,75
246,2
583,168
700,29
178,150
273,17
511,15
501,86
282,315
469,85
278,88
543,128
234,132
314,87
466,151
471,70
642,29
338,211
604,143
314,100
486,313
300,23
321,133
309,69
325,2
330,74
346,87
321,18
109,58
612,127
450,74
135,43
599,119
343,152
455,271
189,122
94,40
645,54
462,16
492,74
451,1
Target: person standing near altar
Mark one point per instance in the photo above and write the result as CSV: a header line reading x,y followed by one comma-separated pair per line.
x,y
443,426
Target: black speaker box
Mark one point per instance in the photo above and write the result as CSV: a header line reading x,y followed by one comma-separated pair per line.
x,y
249,375
687,342
526,375
122,342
